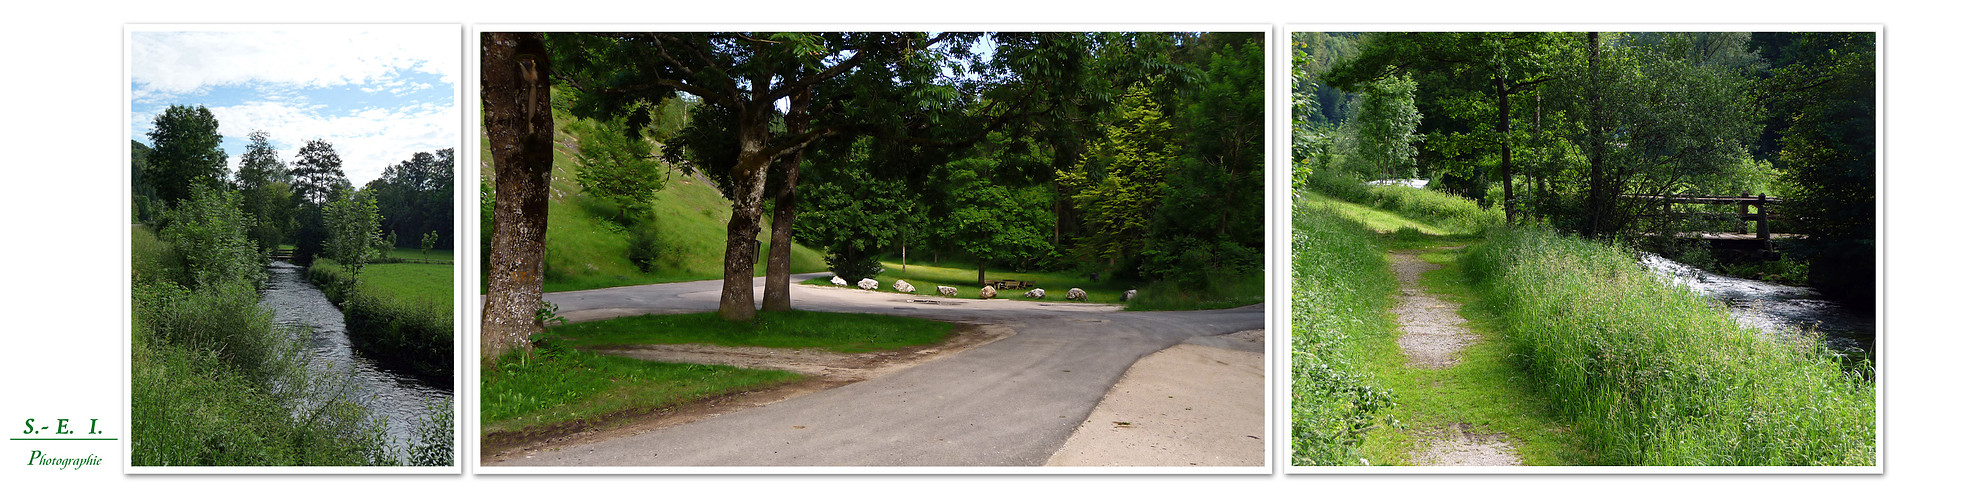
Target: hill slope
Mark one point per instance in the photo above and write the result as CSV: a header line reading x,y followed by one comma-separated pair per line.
x,y
585,251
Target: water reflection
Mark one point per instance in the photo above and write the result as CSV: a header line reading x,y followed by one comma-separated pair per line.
x,y
1776,308
402,402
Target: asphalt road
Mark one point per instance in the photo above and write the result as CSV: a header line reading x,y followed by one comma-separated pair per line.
x,y
1012,402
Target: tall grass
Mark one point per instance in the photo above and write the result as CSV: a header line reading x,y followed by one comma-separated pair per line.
x,y
215,383
1449,211
1342,288
1652,374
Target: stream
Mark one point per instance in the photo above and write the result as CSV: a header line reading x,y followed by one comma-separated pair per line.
x,y
1781,309
401,401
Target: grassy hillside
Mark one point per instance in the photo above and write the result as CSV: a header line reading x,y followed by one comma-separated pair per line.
x,y
585,251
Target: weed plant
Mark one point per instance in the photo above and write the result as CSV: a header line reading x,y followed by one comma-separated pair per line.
x,y
1342,288
1652,374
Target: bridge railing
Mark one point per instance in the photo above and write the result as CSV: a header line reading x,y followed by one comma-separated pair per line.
x,y
1746,208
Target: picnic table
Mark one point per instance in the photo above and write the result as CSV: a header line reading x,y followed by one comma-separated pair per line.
x,y
1008,284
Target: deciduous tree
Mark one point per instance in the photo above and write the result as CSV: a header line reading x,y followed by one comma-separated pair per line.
x,y
186,151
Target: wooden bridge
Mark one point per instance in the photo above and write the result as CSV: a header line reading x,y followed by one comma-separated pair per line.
x,y
1747,209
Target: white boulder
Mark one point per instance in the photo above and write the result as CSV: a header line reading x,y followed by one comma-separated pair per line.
x,y
1036,293
904,286
866,284
838,281
1077,294
948,291
988,292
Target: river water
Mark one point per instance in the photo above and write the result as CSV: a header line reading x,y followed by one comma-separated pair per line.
x,y
1781,309
403,402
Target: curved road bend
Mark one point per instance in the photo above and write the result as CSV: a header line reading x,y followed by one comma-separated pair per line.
x,y
1010,402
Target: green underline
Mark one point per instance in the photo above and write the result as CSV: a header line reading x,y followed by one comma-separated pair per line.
x,y
63,439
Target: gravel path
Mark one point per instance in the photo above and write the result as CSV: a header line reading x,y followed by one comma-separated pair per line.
x,y
1431,334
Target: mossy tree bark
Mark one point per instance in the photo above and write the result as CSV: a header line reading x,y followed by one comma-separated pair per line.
x,y
517,117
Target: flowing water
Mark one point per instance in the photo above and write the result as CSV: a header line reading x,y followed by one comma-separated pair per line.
x,y
401,401
1782,309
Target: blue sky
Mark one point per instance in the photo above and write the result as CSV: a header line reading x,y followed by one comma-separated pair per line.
x,y
378,94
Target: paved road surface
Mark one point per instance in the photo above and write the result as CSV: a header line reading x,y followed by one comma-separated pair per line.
x,y
1011,402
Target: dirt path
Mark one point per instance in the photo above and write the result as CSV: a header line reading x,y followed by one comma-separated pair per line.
x,y
1431,334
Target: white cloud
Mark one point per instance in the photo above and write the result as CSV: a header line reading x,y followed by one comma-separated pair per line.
x,y
367,140
268,78
314,56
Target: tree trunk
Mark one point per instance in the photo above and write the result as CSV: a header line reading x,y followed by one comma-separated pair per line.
x,y
779,255
1504,145
1595,178
779,251
517,117
741,248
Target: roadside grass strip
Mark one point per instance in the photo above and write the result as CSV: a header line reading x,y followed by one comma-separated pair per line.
x,y
1341,289
1652,374
838,332
557,387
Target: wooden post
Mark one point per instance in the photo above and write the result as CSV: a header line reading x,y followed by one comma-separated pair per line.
x,y
1763,233
1742,213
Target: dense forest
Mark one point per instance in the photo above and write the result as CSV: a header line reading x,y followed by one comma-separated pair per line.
x,y
1134,156
1585,132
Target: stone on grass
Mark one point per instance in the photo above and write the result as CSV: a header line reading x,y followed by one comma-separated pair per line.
x,y
1036,293
988,292
948,291
1129,294
904,286
838,281
866,284
1077,294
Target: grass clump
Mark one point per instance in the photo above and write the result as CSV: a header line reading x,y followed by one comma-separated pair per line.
x,y
1652,374
839,332
554,386
1342,289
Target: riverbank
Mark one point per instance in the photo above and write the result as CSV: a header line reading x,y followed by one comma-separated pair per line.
x,y
214,381
401,314
1651,374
